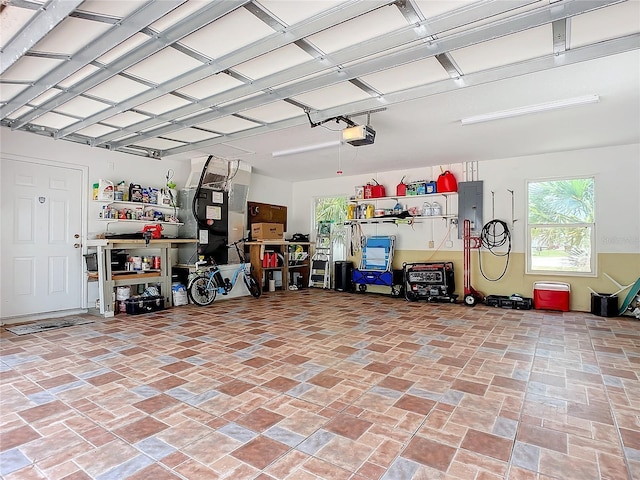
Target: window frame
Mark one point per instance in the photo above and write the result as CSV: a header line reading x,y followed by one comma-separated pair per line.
x,y
593,263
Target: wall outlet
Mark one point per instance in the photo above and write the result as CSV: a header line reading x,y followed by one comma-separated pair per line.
x,y
449,244
431,244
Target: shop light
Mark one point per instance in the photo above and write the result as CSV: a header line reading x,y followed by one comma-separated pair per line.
x,y
541,107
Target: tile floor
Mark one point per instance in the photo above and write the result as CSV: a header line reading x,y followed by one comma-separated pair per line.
x,y
324,385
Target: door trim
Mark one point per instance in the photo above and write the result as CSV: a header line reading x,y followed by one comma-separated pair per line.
x,y
84,208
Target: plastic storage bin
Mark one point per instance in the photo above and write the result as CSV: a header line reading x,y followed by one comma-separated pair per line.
x,y
604,304
551,296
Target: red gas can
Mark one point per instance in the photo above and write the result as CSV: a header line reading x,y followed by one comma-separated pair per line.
x,y
446,183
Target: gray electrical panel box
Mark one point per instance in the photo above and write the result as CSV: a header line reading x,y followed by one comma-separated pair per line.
x,y
470,206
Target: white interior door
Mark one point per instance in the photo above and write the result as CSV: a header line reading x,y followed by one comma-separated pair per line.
x,y
41,252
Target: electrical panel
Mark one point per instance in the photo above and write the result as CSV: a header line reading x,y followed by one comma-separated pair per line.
x,y
470,195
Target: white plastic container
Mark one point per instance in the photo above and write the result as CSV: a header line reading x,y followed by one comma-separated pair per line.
x,y
106,191
179,293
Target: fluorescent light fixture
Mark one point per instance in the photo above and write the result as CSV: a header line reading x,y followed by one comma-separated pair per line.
x,y
306,148
541,107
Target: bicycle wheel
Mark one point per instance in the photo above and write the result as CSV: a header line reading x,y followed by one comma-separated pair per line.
x,y
252,284
202,291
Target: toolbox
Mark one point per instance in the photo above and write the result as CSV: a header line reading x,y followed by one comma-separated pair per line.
x,y
138,305
515,302
433,282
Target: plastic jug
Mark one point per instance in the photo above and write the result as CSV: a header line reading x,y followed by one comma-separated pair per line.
x,y
436,209
446,182
426,209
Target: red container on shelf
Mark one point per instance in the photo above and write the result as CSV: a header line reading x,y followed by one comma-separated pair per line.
x,y
377,191
446,182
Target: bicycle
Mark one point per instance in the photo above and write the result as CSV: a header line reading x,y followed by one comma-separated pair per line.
x,y
204,287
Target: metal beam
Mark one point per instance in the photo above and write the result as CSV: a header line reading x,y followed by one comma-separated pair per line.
x,y
128,27
547,62
49,16
289,35
560,35
416,52
375,46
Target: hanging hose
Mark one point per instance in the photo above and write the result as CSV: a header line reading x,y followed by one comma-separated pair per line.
x,y
495,234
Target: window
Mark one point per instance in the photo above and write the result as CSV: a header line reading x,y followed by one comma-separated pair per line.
x,y
560,225
333,210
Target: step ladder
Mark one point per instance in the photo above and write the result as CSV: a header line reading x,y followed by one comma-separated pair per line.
x,y
320,275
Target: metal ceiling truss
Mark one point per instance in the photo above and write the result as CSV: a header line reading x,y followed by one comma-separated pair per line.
x,y
178,31
278,39
128,27
404,36
422,38
47,18
577,55
413,53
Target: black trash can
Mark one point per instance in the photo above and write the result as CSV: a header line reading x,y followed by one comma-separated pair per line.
x,y
604,305
343,273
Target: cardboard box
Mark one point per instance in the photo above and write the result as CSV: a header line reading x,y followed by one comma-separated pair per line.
x,y
267,231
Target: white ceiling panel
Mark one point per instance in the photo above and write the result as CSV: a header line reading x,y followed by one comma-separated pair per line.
x,y
46,96
117,89
163,104
81,107
178,14
12,20
96,130
228,124
79,75
54,120
190,135
294,11
125,47
433,8
407,76
21,111
109,7
158,143
125,119
360,29
71,35
605,23
30,68
233,31
10,90
210,86
272,62
148,129
332,96
517,47
273,112
191,115
164,65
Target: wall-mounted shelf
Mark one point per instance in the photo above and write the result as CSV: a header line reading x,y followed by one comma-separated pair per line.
x,y
134,204
398,198
398,220
130,220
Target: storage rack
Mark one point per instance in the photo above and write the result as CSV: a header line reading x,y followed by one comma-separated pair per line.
x,y
411,219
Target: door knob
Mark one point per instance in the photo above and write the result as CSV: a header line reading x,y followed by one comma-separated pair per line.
x,y
77,245
77,235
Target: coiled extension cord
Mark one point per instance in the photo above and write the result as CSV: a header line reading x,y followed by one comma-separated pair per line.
x,y
495,234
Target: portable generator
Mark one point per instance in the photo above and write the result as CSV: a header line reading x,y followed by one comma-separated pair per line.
x,y
433,282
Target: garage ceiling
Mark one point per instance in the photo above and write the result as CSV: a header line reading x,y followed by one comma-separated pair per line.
x,y
244,79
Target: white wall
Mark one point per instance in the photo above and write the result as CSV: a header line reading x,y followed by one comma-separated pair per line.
x,y
101,163
616,170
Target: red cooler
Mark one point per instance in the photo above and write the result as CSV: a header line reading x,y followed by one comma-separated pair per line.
x,y
551,296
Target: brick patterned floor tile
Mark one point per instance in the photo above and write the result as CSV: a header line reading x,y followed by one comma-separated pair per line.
x,y
312,385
